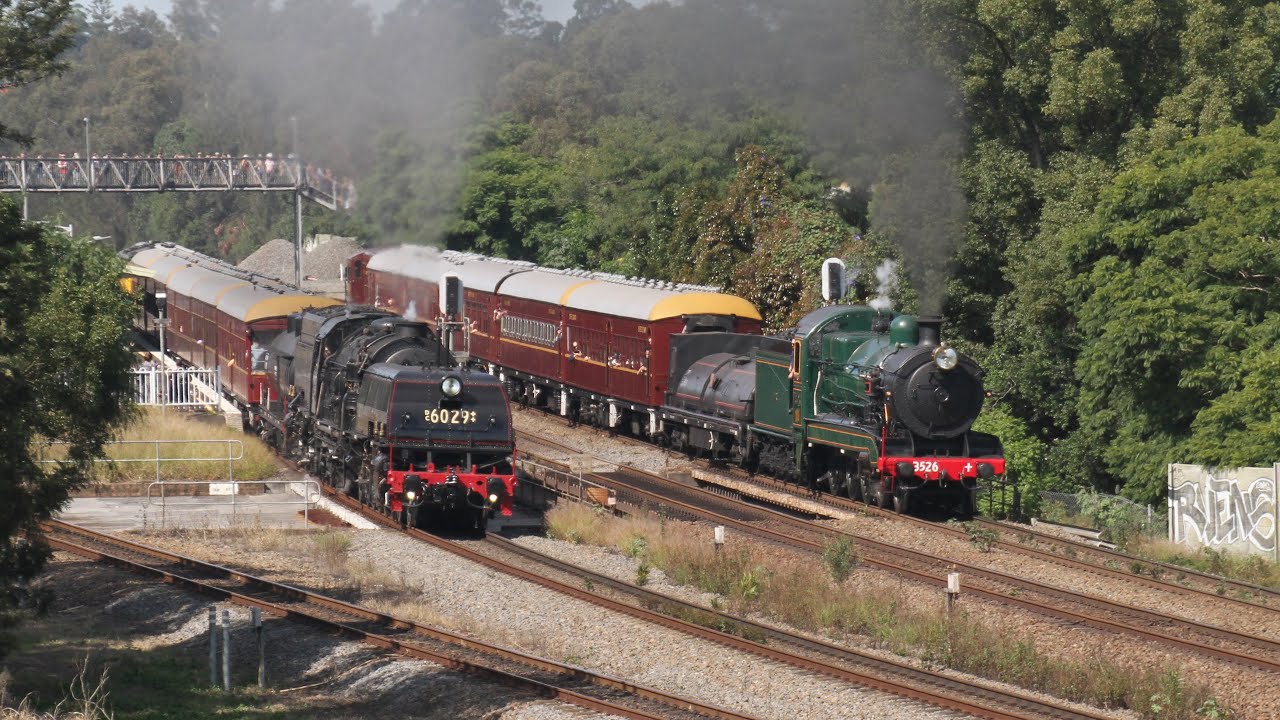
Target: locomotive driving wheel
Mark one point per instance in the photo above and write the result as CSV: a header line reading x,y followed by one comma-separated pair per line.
x,y
852,487
881,496
902,502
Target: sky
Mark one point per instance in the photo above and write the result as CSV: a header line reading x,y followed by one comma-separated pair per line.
x,y
551,9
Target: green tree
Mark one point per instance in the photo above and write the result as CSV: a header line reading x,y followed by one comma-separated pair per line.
x,y
33,36
1176,286
508,203
63,376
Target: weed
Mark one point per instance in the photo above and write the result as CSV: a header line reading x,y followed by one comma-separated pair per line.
x,y
1220,588
840,556
332,548
642,573
1136,567
1211,710
751,582
980,538
635,546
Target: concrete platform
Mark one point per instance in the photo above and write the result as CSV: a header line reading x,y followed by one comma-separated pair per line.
x,y
118,514
280,509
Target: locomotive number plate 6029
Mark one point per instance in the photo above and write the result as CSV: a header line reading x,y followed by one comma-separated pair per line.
x,y
442,416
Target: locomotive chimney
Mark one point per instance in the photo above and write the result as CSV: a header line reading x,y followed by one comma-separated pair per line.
x,y
411,330
930,329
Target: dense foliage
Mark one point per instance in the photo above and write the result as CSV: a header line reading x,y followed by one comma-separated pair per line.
x,y
63,376
1086,190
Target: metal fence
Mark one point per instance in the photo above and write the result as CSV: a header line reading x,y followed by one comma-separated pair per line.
x,y
48,453
1117,517
183,387
220,497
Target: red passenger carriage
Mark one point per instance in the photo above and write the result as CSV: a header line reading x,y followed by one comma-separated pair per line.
x,y
218,315
584,344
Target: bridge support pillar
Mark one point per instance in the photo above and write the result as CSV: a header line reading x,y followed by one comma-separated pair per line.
x,y
297,238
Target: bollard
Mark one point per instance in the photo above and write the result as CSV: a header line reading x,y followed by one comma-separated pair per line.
x,y
719,539
213,646
953,591
226,650
262,648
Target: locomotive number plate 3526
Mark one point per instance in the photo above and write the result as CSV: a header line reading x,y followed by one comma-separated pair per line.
x,y
443,416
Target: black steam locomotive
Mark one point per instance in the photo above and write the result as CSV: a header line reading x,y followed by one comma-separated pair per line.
x,y
376,405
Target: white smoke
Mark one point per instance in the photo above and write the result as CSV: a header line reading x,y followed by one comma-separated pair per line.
x,y
411,312
886,278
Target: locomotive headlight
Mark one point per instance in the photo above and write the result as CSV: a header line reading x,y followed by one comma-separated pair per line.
x,y
946,357
493,498
451,386
410,495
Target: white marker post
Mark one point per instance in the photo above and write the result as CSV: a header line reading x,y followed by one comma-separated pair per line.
x,y
953,591
718,540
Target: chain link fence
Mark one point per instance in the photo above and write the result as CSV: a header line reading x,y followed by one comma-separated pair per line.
x,y
1116,517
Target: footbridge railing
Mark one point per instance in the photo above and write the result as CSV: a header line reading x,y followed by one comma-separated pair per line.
x,y
175,173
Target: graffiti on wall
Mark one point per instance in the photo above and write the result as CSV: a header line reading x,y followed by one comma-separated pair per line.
x,y
1222,509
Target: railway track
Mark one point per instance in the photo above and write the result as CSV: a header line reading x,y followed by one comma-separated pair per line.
x,y
1017,539
536,676
843,664
1053,549
1042,546
648,491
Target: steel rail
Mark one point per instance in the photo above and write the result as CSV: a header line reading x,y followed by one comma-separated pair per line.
x,y
623,481
1240,588
1002,541
879,674
292,597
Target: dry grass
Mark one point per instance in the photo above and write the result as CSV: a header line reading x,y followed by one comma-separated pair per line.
x,y
1253,569
258,461
85,699
806,595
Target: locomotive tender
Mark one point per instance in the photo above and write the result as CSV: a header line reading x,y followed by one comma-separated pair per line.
x,y
369,402
866,403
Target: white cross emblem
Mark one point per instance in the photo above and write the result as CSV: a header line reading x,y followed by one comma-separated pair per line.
x,y
968,467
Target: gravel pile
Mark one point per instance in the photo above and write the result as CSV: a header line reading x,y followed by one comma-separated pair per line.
x,y
322,259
